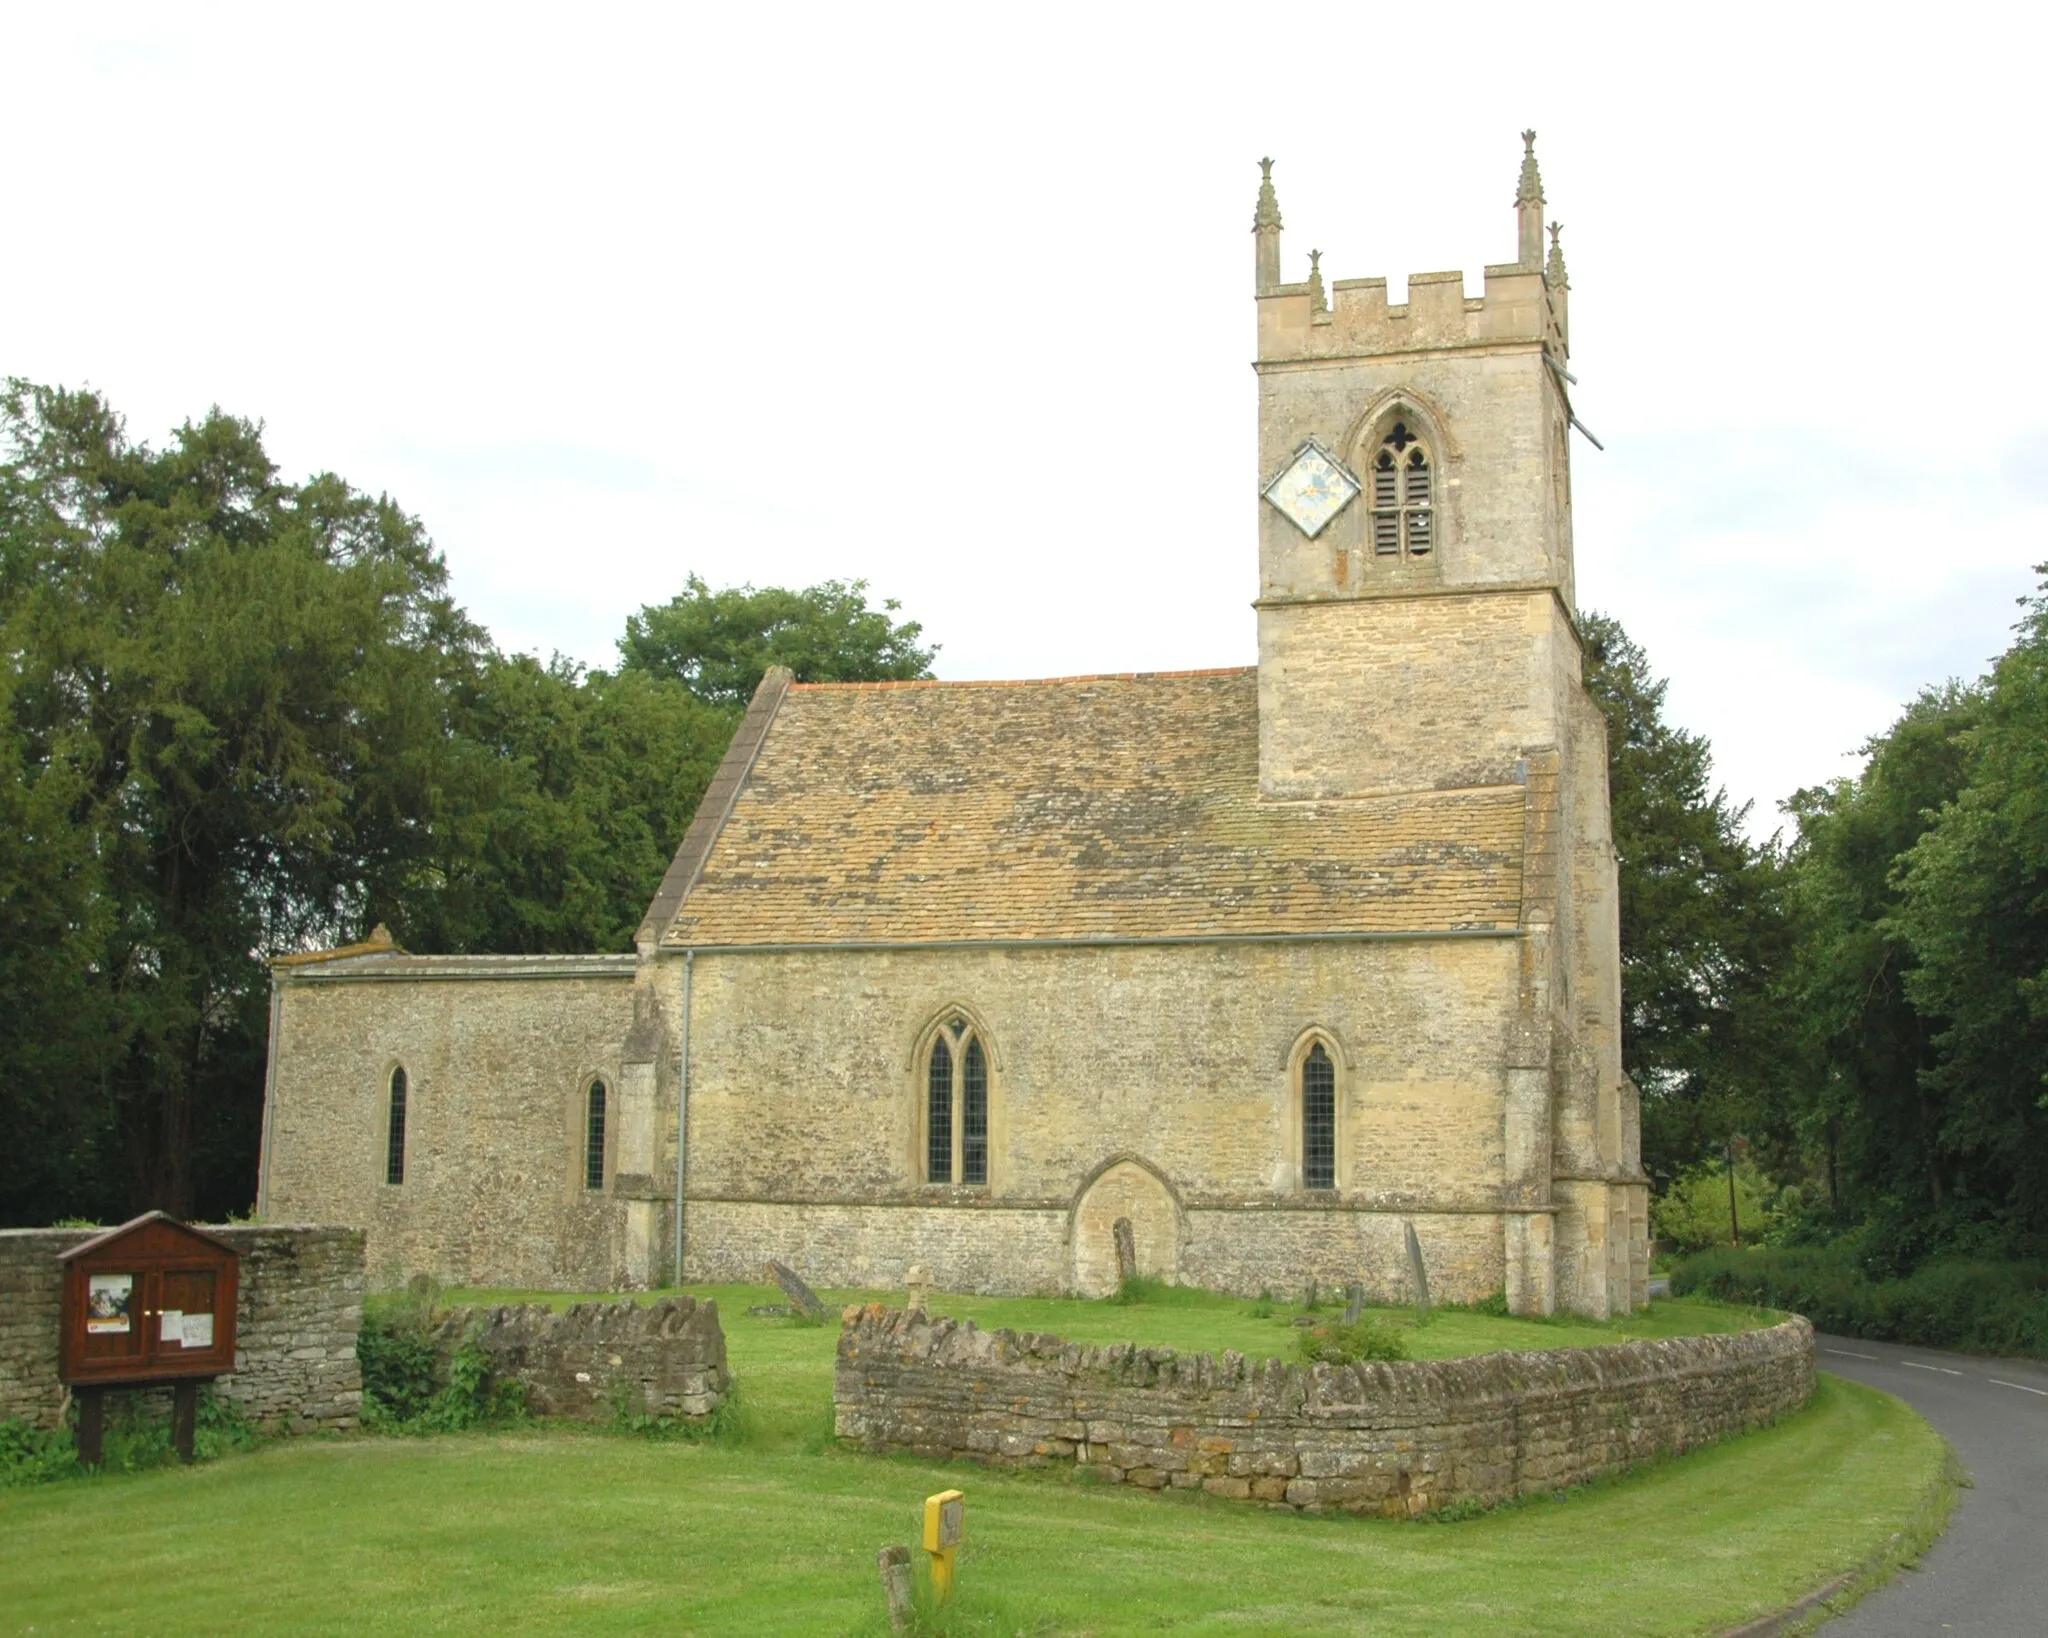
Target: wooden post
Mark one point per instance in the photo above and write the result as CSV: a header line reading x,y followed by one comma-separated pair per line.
x,y
1734,1217
184,1418
894,1564
92,1424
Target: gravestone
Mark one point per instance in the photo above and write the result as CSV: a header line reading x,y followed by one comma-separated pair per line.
x,y
1126,1250
1355,1306
802,1298
1417,1275
919,1284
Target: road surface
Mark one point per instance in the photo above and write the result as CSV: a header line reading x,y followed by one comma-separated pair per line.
x,y
1988,1576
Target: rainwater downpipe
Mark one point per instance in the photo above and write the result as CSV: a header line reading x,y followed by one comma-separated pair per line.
x,y
683,1111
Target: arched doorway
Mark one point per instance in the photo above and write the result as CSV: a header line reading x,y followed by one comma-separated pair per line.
x,y
1125,1188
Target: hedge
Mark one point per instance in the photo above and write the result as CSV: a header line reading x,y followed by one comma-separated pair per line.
x,y
1975,1307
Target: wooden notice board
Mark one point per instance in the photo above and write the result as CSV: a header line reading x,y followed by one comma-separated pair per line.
x,y
150,1301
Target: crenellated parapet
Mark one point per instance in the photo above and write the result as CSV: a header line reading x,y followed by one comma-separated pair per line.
x,y
1521,301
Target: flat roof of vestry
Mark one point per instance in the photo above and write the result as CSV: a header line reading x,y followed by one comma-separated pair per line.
x,y
355,964
1105,807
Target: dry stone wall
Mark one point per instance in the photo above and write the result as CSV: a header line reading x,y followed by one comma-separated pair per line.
x,y
1373,1438
599,1360
300,1307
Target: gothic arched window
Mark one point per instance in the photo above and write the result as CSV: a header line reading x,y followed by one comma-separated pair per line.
x,y
1401,511
394,1131
593,1137
956,1126
1318,1120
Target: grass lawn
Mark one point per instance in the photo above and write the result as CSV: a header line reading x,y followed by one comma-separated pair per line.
x,y
774,1529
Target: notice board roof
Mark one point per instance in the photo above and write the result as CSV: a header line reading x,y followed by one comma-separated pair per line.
x,y
162,1231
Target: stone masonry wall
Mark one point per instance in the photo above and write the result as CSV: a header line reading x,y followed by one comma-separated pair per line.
x,y
498,1071
1374,1438
598,1358
299,1309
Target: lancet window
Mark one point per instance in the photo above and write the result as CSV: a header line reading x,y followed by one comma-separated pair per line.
x,y
593,1136
1403,517
1318,1120
956,1127
394,1131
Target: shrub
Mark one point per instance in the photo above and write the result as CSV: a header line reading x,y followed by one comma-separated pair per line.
x,y
133,1440
400,1369
1693,1212
1336,1343
1138,1288
407,1388
1977,1306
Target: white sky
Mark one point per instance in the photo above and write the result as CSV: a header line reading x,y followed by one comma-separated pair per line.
x,y
958,300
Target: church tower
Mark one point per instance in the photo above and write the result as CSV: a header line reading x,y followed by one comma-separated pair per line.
x,y
1418,634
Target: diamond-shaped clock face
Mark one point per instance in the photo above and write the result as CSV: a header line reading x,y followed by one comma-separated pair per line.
x,y
1312,489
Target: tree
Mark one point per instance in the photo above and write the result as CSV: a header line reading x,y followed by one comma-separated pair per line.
x,y
1702,924
719,643
575,789
1974,907
1863,1103
225,730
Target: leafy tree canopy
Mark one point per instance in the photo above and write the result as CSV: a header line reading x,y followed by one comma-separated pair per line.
x,y
718,644
224,724
241,716
1702,923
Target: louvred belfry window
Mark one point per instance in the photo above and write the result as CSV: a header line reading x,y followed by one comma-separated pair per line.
x,y
956,1130
1402,514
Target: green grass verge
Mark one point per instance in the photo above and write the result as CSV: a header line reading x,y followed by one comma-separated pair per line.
x,y
773,1529
1208,1322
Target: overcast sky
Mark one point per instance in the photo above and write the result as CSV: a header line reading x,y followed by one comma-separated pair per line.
x,y
957,300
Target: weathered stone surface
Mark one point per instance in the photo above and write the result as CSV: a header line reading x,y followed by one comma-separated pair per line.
x,y
1400,1439
598,1360
299,1308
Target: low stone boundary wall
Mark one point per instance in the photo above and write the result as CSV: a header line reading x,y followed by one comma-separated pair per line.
x,y
1372,1438
598,1359
299,1309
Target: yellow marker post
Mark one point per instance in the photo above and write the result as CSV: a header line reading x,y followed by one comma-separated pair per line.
x,y
945,1516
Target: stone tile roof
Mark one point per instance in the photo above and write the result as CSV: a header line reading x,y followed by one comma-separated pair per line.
x,y
1075,808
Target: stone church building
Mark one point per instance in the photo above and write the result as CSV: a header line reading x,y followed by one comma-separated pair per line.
x,y
1272,961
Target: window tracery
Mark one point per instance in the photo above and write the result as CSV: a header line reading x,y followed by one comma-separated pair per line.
x,y
956,1125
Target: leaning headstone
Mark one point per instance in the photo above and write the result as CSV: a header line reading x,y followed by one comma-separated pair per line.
x,y
919,1284
1417,1275
802,1298
1126,1250
894,1563
1355,1306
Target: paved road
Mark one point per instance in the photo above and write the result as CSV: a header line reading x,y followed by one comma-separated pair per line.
x,y
1988,1577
